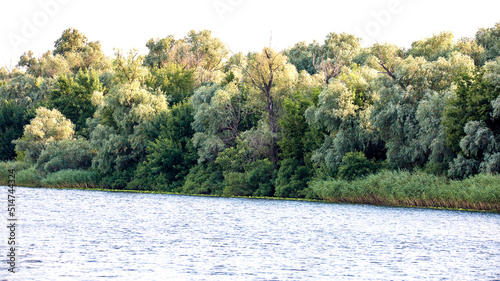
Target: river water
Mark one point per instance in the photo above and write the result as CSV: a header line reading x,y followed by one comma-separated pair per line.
x,y
93,235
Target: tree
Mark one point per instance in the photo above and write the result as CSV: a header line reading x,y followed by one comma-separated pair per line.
x,y
13,118
71,40
171,154
265,71
489,39
173,80
198,51
474,95
121,118
47,127
220,115
301,55
412,82
343,114
73,97
337,51
437,46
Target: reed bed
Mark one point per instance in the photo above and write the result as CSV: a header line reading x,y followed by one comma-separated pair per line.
x,y
402,188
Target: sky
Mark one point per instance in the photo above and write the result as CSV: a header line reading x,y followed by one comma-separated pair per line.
x,y
244,25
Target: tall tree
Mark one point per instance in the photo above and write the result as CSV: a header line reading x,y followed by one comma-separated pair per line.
x,y
265,71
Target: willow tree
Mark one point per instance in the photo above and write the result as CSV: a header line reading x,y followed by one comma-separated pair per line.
x,y
343,112
337,51
270,75
198,51
47,127
411,94
120,120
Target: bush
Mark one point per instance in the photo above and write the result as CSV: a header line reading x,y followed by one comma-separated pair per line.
x,y
256,180
355,165
204,179
292,179
71,178
65,154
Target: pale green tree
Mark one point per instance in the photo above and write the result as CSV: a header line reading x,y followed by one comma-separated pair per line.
x,y
47,127
343,111
337,51
273,78
412,81
123,114
220,114
489,39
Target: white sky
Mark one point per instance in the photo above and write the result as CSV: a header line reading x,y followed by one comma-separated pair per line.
x,y
245,25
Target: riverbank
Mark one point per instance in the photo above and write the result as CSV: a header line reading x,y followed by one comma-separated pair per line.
x,y
402,188
370,199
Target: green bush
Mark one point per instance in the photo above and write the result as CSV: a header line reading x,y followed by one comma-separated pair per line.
x,y
204,179
71,178
292,179
355,165
256,180
65,154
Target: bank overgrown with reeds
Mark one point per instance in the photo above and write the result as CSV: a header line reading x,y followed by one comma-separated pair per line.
x,y
419,189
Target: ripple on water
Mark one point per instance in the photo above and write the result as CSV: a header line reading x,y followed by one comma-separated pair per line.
x,y
87,235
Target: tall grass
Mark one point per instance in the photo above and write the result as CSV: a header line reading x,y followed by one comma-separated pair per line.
x,y
419,189
71,178
7,166
28,177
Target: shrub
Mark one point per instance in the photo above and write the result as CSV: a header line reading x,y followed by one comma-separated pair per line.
x,y
292,179
204,179
355,165
65,154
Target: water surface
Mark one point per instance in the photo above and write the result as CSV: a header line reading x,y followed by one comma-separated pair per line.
x,y
93,235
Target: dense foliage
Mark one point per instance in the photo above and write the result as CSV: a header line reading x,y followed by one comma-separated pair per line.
x,y
315,120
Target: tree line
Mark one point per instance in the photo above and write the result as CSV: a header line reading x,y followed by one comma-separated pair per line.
x,y
192,117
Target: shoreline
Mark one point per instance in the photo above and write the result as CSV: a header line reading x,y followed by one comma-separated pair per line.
x,y
366,200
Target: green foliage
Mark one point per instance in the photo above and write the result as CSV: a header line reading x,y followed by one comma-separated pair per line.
x,y
292,179
73,97
414,189
301,55
256,179
204,178
173,80
7,166
437,46
355,165
171,155
65,154
47,127
121,120
13,118
474,95
29,177
489,39
71,178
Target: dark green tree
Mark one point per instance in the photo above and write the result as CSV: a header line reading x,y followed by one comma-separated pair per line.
x,y
73,97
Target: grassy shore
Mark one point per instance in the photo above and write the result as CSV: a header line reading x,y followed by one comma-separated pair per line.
x,y
391,188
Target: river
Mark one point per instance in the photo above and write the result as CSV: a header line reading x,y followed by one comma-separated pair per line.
x,y
95,235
